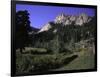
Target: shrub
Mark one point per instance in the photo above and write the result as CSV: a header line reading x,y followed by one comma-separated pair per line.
x,y
28,63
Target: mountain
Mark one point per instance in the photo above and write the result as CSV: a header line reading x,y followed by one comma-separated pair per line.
x,y
46,27
33,30
67,20
66,30
71,19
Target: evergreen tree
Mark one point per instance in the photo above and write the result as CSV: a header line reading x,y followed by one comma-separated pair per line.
x,y
22,28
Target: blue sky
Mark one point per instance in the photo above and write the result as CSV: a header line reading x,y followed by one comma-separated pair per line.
x,y
40,15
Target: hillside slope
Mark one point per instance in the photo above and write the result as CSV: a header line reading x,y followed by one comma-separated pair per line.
x,y
84,61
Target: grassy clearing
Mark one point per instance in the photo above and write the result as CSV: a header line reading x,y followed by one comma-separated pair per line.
x,y
31,50
28,49
26,63
85,60
35,63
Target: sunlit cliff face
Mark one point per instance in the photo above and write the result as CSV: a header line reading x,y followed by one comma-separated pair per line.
x,y
70,19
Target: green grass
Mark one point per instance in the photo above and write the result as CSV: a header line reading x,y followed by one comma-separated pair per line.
x,y
31,50
25,63
84,61
33,63
34,50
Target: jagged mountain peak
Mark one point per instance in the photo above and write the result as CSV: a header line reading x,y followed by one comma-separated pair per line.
x,y
67,20
60,18
70,19
46,27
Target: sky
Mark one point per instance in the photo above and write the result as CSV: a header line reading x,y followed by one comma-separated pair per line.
x,y
41,15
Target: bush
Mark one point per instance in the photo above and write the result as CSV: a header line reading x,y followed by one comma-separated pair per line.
x,y
46,62
27,63
66,51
